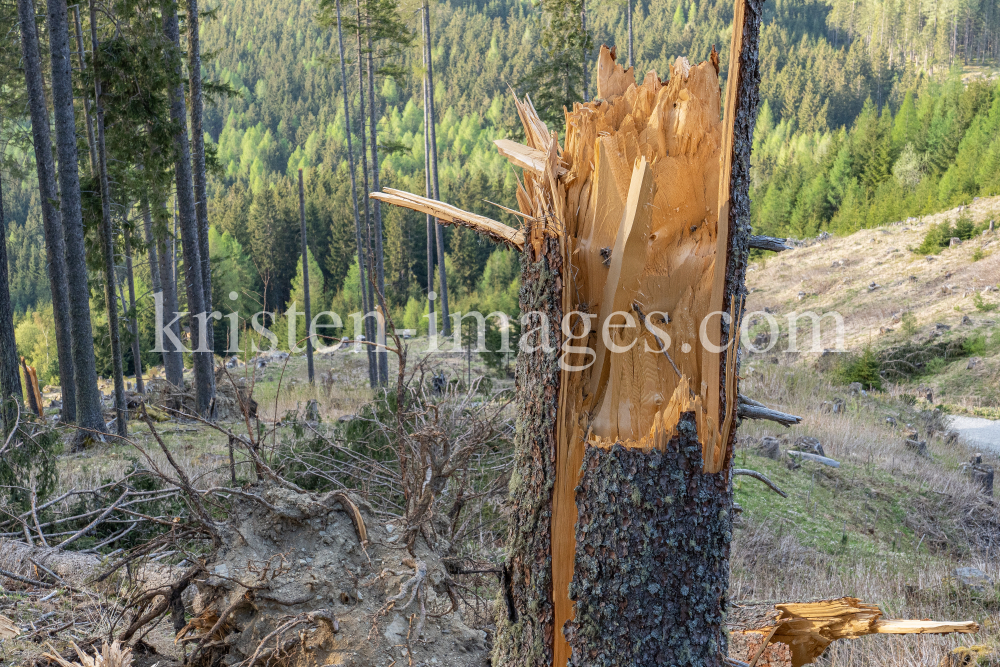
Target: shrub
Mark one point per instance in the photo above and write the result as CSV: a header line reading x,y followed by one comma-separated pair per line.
x,y
940,235
864,368
981,305
909,323
30,454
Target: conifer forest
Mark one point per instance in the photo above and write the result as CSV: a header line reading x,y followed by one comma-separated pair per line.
x,y
472,332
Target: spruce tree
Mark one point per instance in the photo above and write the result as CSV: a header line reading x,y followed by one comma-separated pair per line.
x,y
204,371
107,242
55,242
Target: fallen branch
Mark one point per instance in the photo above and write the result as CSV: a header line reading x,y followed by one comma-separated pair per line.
x,y
762,477
448,214
751,409
816,458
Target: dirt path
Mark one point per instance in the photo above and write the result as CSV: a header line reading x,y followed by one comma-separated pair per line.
x,y
978,431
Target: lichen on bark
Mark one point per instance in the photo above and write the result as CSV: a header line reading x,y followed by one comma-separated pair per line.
x,y
652,557
525,614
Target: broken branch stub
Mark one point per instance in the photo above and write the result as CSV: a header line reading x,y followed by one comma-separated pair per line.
x,y
448,214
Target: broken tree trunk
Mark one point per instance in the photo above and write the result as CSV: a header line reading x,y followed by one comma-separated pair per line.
x,y
796,633
634,255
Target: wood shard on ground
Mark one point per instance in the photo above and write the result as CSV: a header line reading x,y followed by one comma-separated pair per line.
x,y
797,633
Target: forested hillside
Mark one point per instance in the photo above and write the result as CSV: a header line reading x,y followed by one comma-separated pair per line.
x,y
872,111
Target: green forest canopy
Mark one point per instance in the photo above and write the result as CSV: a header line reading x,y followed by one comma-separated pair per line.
x,y
872,112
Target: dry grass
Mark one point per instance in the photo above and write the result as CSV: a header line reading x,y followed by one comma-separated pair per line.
x,y
835,275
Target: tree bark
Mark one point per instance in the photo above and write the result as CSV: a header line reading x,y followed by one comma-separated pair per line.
x,y
583,49
380,353
435,194
134,320
10,381
427,182
370,326
91,148
108,244
305,279
163,249
55,242
622,514
198,157
204,379
350,165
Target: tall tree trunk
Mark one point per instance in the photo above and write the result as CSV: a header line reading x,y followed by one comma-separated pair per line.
x,y
55,242
628,17
107,240
134,320
198,157
305,279
380,353
350,165
432,118
91,148
163,249
173,362
622,503
10,381
370,327
204,380
428,191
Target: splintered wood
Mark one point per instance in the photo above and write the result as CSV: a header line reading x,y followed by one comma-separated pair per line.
x,y
633,198
791,634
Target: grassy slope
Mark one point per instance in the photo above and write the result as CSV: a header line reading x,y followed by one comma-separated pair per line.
x,y
836,274
888,526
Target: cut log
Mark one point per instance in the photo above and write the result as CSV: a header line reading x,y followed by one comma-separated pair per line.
x,y
751,409
75,568
448,214
807,628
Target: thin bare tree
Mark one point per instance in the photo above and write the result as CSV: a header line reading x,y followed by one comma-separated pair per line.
x,y
436,194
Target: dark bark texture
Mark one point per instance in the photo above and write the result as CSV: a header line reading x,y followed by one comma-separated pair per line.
x,y
55,244
524,635
652,557
198,156
10,381
738,251
204,379
108,248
